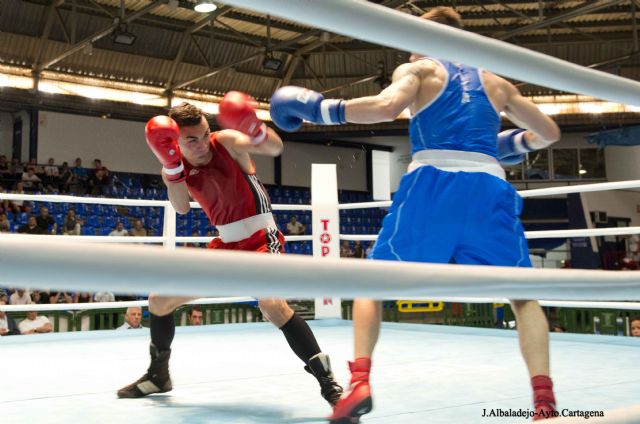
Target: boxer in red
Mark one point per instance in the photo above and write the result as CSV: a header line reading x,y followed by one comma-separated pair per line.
x,y
217,171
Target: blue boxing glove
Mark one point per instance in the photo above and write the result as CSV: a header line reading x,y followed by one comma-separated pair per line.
x,y
512,147
291,105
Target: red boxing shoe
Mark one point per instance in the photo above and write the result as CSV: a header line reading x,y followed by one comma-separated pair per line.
x,y
358,402
544,402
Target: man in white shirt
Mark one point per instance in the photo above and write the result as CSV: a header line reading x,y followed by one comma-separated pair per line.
x,y
35,324
132,319
20,297
119,231
295,228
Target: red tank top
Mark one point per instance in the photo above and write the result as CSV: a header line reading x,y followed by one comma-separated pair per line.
x,y
225,192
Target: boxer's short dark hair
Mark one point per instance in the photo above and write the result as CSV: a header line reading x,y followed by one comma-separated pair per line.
x,y
186,115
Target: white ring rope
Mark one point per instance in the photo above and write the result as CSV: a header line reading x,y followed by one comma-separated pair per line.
x,y
357,19
56,198
531,235
627,306
95,268
539,192
114,305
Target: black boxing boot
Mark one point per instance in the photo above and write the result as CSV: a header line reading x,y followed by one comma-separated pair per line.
x,y
156,380
320,367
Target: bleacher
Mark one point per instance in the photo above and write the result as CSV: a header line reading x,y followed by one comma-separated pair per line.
x,y
100,220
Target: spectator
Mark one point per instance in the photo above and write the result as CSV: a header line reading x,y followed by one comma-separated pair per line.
x,y
18,206
16,168
37,169
66,178
295,228
132,319
5,171
4,203
104,297
46,222
194,233
119,231
35,324
31,227
20,297
345,250
97,165
99,182
195,315
51,177
358,251
5,225
79,178
635,327
83,297
557,328
8,325
40,297
31,181
60,297
138,229
71,225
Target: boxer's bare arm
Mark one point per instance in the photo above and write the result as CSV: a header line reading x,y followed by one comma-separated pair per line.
x,y
391,101
238,142
178,194
543,131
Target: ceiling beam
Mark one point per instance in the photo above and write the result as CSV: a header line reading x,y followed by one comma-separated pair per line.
x,y
100,34
186,36
221,68
50,14
590,8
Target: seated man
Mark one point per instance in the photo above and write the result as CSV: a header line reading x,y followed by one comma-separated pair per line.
x,y
35,323
294,227
132,319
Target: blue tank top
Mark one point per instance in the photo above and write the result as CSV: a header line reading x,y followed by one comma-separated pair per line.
x,y
461,117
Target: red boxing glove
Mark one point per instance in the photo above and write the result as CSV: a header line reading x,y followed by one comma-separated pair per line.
x,y
162,134
237,111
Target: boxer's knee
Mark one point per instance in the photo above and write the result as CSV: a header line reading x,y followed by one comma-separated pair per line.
x,y
276,310
165,305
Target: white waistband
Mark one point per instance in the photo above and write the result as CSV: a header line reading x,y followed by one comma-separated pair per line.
x,y
240,230
457,161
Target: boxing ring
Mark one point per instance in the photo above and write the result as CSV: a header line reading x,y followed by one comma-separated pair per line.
x,y
245,373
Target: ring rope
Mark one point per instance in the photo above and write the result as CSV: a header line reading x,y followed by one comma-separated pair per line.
x,y
356,18
99,267
115,305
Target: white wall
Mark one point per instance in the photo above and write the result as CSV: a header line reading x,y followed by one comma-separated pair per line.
x,y
119,144
622,162
265,166
6,134
618,203
400,160
351,164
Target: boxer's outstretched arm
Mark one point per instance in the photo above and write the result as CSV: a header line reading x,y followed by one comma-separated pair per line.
x,y
390,103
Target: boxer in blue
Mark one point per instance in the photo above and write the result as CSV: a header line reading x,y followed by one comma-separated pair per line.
x,y
454,204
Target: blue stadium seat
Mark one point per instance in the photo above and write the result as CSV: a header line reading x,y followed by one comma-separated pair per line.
x,y
104,231
88,230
